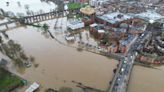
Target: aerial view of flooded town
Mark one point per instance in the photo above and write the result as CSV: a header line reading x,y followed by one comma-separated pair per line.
x,y
81,45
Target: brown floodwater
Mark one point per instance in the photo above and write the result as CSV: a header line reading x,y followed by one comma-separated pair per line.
x,y
146,80
59,65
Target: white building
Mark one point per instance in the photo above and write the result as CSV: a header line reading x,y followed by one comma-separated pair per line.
x,y
96,3
75,24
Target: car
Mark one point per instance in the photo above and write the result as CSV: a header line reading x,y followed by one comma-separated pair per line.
x,y
125,61
122,70
118,81
136,53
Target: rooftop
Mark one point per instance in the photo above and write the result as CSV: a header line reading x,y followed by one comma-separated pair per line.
x,y
75,22
87,10
119,30
101,31
127,40
115,17
149,15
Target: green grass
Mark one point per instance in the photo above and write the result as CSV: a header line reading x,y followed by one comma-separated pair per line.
x,y
7,80
72,6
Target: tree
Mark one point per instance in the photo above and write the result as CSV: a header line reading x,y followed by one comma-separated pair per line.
x,y
5,35
50,90
80,36
26,7
1,40
45,27
19,4
14,46
2,11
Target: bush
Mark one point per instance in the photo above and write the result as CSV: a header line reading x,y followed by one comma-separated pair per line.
x,y
65,89
50,90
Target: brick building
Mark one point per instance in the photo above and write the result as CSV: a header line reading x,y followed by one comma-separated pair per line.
x,y
97,31
125,43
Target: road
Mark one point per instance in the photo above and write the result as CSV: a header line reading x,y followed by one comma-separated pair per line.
x,y
121,78
122,75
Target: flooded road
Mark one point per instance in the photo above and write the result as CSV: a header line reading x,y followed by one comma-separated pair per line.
x,y
146,80
59,65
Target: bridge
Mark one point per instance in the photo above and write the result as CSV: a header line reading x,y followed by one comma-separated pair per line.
x,y
122,75
121,78
46,16
39,17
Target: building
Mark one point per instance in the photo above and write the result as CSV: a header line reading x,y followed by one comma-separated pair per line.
x,y
113,48
125,43
97,31
114,19
75,24
88,15
161,10
150,1
79,1
96,3
91,28
149,15
136,30
145,59
101,34
159,44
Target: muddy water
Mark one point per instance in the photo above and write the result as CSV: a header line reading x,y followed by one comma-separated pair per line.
x,y
59,65
146,80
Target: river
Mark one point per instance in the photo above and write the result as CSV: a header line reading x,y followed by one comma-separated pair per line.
x,y
59,65
146,79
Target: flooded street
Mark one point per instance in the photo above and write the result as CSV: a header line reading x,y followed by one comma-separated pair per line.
x,y
146,80
59,65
